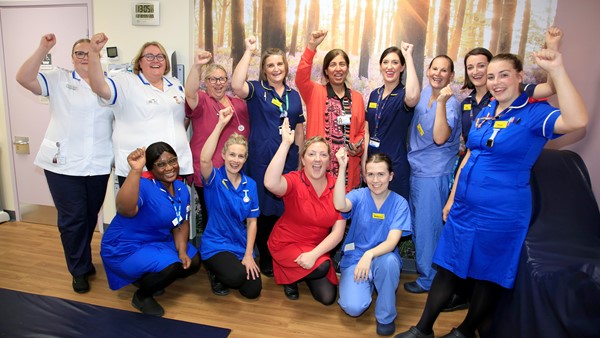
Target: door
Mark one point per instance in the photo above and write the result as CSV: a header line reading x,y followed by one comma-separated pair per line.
x,y
21,28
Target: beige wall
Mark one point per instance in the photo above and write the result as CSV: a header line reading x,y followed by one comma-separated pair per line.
x,y
113,17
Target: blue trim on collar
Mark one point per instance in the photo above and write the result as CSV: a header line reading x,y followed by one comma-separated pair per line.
x,y
75,76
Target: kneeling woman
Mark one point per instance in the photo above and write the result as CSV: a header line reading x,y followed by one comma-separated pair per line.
x,y
310,227
147,241
370,254
227,246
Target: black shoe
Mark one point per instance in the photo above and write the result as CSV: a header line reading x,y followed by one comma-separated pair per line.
x,y
291,291
386,329
456,303
81,284
217,287
268,271
455,334
147,305
413,332
414,287
92,272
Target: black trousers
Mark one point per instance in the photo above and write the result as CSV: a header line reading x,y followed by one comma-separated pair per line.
x,y
229,270
78,200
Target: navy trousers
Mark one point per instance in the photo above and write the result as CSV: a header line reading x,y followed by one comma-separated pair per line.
x,y
78,200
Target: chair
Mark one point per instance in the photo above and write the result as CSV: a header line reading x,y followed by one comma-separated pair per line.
x,y
557,288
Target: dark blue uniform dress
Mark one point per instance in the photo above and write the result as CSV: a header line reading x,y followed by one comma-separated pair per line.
x,y
389,119
490,216
133,246
267,110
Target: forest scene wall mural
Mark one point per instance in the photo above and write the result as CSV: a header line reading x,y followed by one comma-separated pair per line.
x,y
364,28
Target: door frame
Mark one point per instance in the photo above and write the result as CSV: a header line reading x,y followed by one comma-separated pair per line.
x,y
9,135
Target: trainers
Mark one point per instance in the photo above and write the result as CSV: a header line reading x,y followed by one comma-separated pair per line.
x,y
147,305
81,284
386,329
414,287
291,291
217,287
413,332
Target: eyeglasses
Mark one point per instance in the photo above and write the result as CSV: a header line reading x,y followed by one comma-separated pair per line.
x,y
161,165
151,57
214,80
81,55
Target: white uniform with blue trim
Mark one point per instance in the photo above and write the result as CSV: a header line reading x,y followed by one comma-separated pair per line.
x,y
81,127
144,114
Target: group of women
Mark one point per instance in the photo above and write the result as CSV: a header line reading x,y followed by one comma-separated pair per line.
x,y
294,196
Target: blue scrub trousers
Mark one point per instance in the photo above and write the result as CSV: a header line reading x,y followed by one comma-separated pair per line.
x,y
78,200
355,298
428,195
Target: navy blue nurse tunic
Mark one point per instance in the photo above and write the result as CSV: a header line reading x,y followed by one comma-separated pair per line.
x,y
389,119
490,216
267,110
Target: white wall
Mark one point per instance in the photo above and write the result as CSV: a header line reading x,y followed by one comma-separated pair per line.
x,y
113,17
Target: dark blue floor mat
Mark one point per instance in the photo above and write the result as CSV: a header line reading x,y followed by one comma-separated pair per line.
x,y
28,315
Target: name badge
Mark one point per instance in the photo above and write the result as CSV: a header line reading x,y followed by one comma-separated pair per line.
x,y
372,104
420,129
374,142
467,106
349,247
500,124
276,102
377,215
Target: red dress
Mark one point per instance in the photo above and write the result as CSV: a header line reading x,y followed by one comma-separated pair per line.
x,y
306,221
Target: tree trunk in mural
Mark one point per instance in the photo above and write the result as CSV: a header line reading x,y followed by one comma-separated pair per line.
x,y
238,35
208,27
259,16
347,28
415,17
506,26
367,40
294,43
312,21
458,28
429,33
200,37
481,8
497,15
356,33
255,16
273,29
335,23
443,27
221,19
525,29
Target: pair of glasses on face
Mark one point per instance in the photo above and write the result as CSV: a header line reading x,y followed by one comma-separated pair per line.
x,y
214,80
80,55
152,57
161,165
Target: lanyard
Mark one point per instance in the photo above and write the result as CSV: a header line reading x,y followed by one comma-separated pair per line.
x,y
178,219
283,109
379,109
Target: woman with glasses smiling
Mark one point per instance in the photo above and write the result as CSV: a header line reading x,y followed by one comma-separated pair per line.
x,y
76,151
202,108
147,242
148,105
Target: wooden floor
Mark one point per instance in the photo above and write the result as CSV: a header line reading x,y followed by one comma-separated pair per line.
x,y
32,260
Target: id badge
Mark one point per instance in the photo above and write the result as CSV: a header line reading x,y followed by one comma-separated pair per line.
x,y
343,120
374,142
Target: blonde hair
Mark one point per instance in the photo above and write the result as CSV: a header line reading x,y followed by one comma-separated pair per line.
x,y
211,68
311,141
138,57
235,138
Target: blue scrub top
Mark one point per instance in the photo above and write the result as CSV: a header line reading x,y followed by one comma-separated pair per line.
x,y
426,158
389,119
267,110
228,208
370,227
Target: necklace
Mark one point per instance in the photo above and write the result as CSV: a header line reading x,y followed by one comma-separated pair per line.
x,y
240,127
